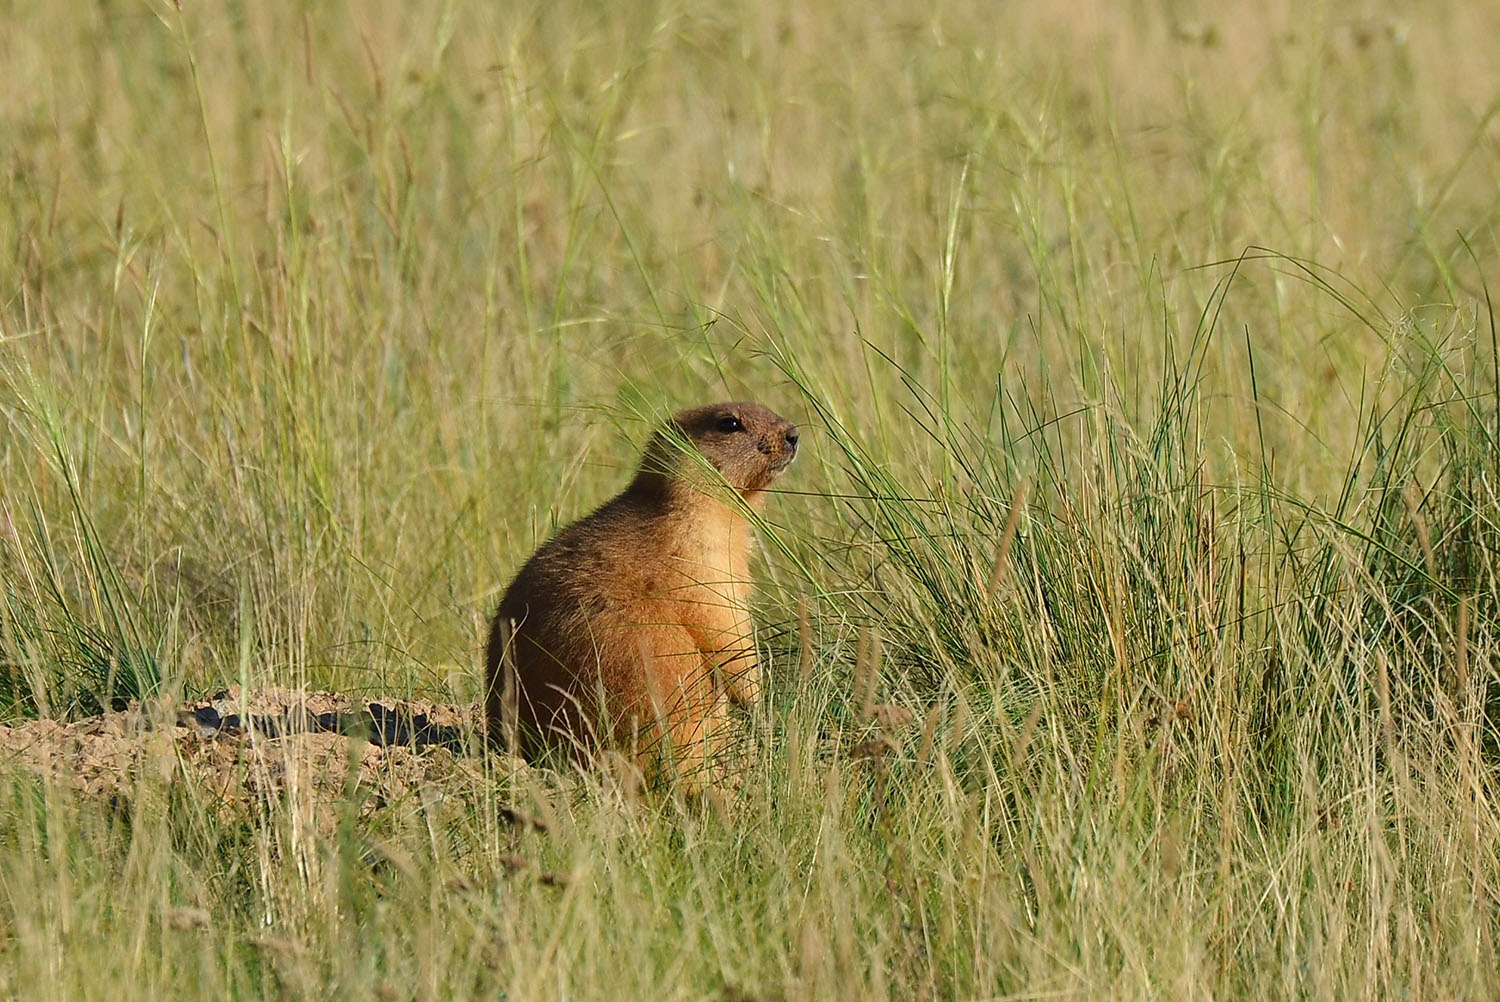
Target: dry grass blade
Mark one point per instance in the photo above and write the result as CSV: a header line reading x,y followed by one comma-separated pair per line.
x,y
805,658
1007,537
929,733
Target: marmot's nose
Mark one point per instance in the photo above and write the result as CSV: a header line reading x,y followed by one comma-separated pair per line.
x,y
791,439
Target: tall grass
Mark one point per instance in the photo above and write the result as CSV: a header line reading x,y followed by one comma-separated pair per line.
x,y
1148,370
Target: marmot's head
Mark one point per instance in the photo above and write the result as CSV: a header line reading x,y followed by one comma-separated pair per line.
x,y
747,444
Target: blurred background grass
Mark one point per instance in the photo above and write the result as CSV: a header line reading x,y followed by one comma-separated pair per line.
x,y
317,318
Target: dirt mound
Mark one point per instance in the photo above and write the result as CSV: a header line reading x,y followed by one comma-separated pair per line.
x,y
238,749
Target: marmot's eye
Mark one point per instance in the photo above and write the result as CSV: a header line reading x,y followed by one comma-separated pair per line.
x,y
729,424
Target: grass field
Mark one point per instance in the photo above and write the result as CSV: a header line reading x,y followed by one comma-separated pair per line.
x,y
315,319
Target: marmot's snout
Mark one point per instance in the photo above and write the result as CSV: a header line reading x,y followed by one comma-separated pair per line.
x,y
783,445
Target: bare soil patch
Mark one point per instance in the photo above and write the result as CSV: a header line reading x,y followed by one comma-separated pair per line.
x,y
238,749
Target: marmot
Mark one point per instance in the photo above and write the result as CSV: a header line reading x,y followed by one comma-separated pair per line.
x,y
630,630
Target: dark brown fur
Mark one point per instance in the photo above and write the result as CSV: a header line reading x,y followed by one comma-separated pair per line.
x,y
632,625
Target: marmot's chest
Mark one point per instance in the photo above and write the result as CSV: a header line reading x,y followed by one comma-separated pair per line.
x,y
714,552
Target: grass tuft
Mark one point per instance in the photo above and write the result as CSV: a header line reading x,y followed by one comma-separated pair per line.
x,y
1132,610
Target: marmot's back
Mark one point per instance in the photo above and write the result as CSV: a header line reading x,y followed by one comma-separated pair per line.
x,y
632,624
